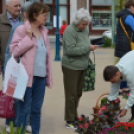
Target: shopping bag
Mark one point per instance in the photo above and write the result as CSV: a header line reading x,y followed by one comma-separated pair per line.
x,y
89,78
6,106
16,79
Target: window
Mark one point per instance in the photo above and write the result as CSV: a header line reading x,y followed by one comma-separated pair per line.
x,y
49,22
101,20
62,1
63,13
48,1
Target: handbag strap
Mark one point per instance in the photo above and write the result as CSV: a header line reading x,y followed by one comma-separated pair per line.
x,y
94,57
124,29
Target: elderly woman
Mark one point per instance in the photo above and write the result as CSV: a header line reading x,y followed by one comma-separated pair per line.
x,y
76,49
30,42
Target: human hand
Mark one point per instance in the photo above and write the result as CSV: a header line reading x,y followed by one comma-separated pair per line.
x,y
123,112
93,47
29,32
48,85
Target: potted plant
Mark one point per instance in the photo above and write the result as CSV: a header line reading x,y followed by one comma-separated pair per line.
x,y
106,118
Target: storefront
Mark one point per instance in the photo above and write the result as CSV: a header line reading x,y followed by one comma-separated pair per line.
x,y
100,11
64,12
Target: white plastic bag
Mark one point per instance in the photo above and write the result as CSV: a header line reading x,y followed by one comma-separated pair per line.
x,y
16,79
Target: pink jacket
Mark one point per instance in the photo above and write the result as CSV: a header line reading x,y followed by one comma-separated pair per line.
x,y
22,45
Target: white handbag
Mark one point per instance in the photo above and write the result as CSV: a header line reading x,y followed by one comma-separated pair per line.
x,y
16,79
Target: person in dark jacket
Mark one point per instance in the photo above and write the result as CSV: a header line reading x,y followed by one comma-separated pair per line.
x,y
122,44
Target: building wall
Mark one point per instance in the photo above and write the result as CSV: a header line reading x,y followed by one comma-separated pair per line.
x,y
3,5
73,9
81,3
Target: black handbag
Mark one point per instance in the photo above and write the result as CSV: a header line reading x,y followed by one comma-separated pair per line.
x,y
89,78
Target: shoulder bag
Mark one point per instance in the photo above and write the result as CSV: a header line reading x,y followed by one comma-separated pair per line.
x,y
89,78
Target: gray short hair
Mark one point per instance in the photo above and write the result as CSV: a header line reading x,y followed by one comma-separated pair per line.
x,y
8,2
25,6
82,14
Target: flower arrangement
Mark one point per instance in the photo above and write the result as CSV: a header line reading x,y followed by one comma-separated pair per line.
x,y
106,117
125,95
120,128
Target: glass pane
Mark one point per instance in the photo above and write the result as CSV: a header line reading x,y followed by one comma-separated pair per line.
x,y
48,1
101,20
96,20
32,0
49,22
63,13
96,15
62,1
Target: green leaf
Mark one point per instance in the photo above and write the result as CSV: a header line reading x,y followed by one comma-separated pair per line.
x,y
11,128
3,130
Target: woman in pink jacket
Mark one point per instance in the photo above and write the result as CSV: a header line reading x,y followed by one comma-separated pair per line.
x,y
30,42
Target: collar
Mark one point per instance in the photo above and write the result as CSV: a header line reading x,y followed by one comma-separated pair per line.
x,y
10,17
75,27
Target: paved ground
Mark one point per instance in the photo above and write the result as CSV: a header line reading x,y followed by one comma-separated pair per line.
x,y
52,121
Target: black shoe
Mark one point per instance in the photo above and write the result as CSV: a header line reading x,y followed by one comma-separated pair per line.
x,y
71,124
132,118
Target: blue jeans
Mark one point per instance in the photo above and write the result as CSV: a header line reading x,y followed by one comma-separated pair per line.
x,y
33,101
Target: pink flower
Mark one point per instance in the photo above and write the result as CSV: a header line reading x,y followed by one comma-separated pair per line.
x,y
105,116
124,93
91,122
128,94
86,125
79,118
99,113
80,126
116,101
104,108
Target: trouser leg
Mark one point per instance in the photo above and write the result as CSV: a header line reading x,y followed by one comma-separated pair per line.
x,y
73,93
